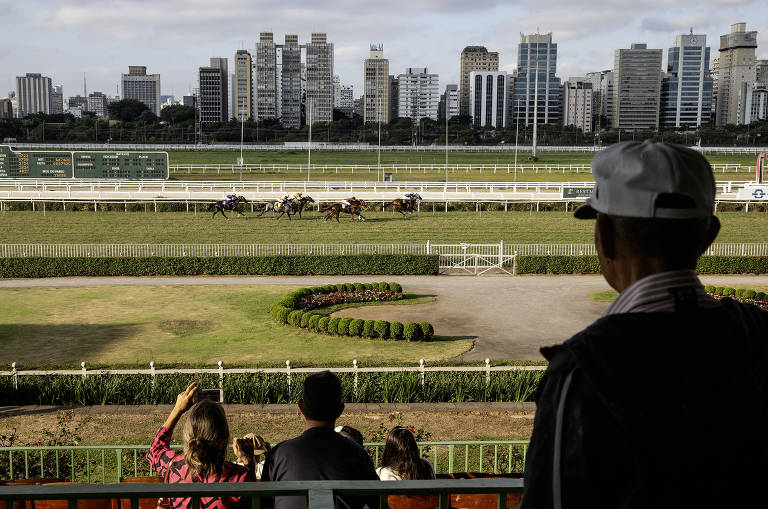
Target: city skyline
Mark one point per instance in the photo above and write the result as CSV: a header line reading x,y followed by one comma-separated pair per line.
x,y
171,41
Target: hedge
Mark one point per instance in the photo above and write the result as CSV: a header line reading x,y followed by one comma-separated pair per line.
x,y
591,265
742,294
285,311
33,267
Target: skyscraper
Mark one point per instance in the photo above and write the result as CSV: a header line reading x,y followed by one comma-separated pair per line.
x,y
474,58
761,72
578,101
34,94
243,89
449,102
139,85
212,91
488,96
265,79
394,97
57,100
418,94
602,89
376,87
736,66
637,88
290,82
97,103
536,68
319,70
686,90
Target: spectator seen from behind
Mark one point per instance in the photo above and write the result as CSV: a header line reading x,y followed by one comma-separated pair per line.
x,y
319,453
350,433
205,436
401,460
627,412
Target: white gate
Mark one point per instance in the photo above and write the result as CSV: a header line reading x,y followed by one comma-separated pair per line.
x,y
474,259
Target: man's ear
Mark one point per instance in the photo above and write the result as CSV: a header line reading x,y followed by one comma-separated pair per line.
x,y
605,238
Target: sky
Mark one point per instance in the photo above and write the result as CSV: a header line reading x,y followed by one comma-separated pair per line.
x,y
64,39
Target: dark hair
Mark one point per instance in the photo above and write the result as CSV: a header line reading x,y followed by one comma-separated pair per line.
x,y
679,242
322,397
352,434
206,437
401,455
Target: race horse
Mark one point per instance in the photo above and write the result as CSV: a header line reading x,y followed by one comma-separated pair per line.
x,y
333,210
228,205
403,206
291,207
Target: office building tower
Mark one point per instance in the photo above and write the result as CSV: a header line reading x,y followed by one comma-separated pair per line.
x,y
6,108
139,85
761,72
212,91
265,80
357,109
376,88
34,94
57,100
290,83
78,101
394,98
418,94
188,100
602,90
686,89
97,103
536,68
336,92
756,107
346,98
449,102
243,86
578,103
319,72
637,88
488,96
736,66
474,58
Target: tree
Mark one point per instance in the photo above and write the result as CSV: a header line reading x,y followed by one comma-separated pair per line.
x,y
147,117
177,113
126,110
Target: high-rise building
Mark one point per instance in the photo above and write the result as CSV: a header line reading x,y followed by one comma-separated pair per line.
x,y
376,88
265,79
6,108
320,78
394,97
290,83
34,94
97,103
761,72
602,90
418,94
357,109
78,101
578,103
536,81
488,96
449,102
637,88
243,89
474,58
346,98
756,107
188,100
736,65
336,92
139,85
686,89
212,91
57,100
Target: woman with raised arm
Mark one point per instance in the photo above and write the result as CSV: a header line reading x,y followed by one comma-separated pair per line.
x,y
205,436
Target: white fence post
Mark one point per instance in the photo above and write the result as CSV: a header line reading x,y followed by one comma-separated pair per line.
x,y
152,375
15,376
421,366
354,364
487,373
82,365
221,380
288,376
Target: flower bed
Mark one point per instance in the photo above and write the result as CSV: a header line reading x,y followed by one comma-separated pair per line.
x,y
759,299
296,308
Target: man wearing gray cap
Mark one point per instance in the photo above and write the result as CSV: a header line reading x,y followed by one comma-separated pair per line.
x,y
663,401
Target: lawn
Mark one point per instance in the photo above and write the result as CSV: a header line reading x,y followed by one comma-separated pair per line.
x,y
196,325
452,227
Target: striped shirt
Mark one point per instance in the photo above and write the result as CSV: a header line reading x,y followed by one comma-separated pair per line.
x,y
656,293
161,457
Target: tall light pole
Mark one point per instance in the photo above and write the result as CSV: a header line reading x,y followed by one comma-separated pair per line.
x,y
446,137
535,97
309,142
242,131
378,151
517,130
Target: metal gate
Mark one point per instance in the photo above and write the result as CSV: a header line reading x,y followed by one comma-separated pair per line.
x,y
474,259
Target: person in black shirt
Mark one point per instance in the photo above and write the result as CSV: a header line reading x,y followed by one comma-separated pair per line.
x,y
320,453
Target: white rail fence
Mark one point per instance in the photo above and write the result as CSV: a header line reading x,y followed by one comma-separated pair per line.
x,y
153,371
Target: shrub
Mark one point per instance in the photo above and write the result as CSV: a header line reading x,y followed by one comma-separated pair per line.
x,y
750,294
343,327
739,292
322,325
427,330
349,287
412,331
359,287
356,327
368,286
761,296
381,327
395,287
281,314
294,317
313,319
383,286
719,290
340,287
729,291
396,330
305,320
333,325
368,329
709,288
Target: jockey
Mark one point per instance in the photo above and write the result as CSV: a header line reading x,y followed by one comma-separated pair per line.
x,y
229,199
411,197
297,196
285,198
347,202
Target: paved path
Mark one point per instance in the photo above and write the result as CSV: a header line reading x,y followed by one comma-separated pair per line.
x,y
510,317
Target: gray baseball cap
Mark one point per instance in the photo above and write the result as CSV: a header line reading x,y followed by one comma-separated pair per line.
x,y
650,179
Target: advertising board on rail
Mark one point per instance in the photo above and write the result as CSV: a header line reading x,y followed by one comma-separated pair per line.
x,y
82,164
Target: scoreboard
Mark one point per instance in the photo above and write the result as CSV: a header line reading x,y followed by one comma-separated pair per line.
x,y
91,165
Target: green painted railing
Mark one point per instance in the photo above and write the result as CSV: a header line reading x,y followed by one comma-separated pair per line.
x,y
110,463
319,494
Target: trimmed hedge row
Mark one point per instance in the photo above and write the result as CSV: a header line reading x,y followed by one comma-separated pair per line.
x,y
749,295
284,311
591,265
227,265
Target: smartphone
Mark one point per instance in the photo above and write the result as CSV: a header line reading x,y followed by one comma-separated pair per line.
x,y
209,394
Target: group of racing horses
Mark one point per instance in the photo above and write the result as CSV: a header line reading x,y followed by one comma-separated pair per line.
x,y
292,205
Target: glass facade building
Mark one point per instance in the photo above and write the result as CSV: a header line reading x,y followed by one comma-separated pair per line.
x,y
686,90
536,67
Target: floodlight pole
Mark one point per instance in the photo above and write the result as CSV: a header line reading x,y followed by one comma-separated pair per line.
x,y
446,138
517,130
378,150
309,143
